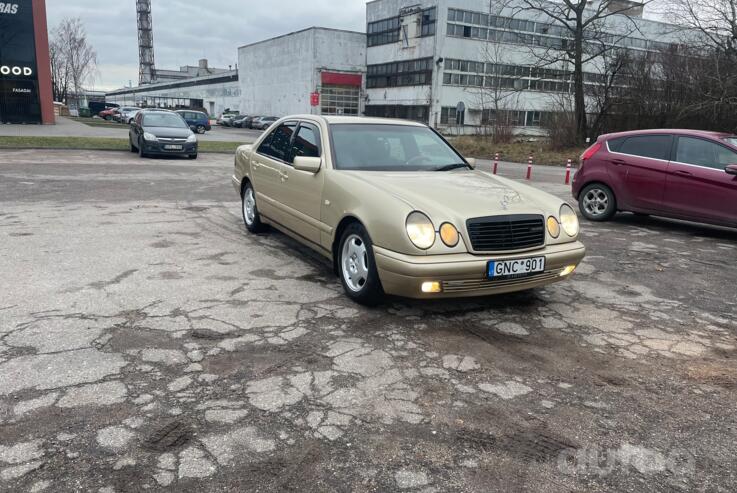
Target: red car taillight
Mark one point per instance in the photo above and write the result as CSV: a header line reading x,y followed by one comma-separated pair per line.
x,y
590,152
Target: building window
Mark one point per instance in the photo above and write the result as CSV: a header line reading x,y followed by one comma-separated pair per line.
x,y
404,112
406,73
429,18
383,32
448,116
473,25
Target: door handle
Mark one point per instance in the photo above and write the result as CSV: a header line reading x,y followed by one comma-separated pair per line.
x,y
681,172
284,176
618,162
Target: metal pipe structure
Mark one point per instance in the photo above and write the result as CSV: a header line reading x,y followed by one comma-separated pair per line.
x,y
147,70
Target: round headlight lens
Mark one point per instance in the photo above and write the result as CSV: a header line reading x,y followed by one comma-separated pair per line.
x,y
449,235
420,230
569,220
553,227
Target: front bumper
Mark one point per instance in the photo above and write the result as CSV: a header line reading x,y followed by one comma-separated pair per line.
x,y
158,148
464,275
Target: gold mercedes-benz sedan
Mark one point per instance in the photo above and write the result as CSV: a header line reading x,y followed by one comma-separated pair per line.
x,y
399,211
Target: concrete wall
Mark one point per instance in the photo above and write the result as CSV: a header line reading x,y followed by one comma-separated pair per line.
x,y
278,75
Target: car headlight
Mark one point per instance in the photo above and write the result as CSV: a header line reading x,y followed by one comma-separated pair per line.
x,y
449,235
149,137
569,220
191,139
420,230
553,227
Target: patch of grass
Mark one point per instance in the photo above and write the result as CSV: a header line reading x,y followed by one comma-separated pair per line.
x,y
98,143
516,152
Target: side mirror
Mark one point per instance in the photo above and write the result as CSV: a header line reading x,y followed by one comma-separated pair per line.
x,y
308,164
471,162
731,169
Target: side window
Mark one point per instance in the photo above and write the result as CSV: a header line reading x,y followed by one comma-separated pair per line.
x,y
650,146
307,142
616,144
278,144
703,153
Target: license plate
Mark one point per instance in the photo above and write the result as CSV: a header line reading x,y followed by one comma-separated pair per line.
x,y
511,269
173,148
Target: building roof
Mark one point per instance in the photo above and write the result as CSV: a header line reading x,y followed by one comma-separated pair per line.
x,y
313,28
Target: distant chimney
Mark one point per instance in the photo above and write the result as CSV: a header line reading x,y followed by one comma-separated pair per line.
x,y
203,63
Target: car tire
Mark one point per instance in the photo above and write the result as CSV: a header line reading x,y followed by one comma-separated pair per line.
x,y
200,129
249,208
597,202
357,266
192,156
141,154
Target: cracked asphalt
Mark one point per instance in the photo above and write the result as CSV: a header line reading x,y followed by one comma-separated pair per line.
x,y
148,343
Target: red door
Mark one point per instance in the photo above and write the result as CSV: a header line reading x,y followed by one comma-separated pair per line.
x,y
698,187
638,166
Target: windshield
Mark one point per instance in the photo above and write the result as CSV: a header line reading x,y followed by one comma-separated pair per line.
x,y
380,147
163,120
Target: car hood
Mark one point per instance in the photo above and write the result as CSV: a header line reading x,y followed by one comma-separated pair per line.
x,y
462,194
171,132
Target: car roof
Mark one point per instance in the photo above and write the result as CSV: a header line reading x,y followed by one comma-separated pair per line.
x,y
672,131
331,119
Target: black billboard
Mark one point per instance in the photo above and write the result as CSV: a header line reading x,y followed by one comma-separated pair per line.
x,y
19,101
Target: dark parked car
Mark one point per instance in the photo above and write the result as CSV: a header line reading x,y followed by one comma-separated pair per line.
x,y
197,121
248,122
682,174
238,122
161,132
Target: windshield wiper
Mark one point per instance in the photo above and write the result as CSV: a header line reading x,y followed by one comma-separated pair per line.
x,y
452,166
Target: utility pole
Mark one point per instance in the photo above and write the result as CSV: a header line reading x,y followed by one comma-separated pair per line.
x,y
147,70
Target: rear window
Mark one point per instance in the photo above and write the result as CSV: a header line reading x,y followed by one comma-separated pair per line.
x,y
616,144
649,146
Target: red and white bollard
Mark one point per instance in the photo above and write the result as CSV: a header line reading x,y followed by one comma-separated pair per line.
x,y
529,168
568,173
496,162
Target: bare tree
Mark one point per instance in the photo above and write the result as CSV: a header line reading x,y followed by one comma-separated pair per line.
x,y
59,72
586,36
714,20
496,93
73,59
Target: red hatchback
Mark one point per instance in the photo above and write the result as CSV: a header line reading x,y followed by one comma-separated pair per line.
x,y
683,174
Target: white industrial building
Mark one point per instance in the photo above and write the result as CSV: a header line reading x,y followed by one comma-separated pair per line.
x,y
425,57
212,93
317,70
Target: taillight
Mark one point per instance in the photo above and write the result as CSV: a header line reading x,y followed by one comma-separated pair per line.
x,y
589,153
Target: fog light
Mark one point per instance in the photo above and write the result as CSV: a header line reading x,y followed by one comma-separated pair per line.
x,y
568,271
432,287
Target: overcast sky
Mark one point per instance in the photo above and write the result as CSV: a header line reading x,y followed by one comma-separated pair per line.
x,y
187,30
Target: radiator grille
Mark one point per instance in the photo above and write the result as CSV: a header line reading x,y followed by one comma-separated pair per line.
x,y
506,233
